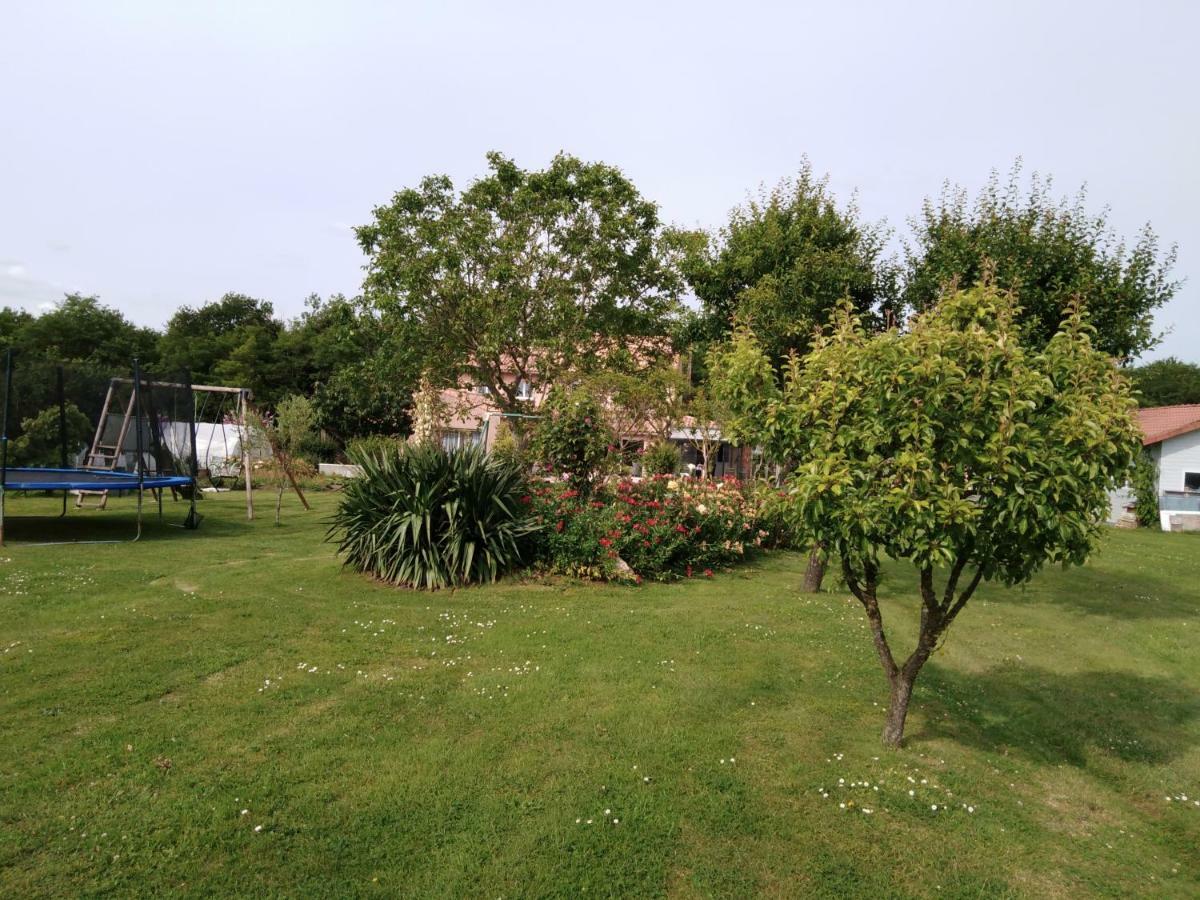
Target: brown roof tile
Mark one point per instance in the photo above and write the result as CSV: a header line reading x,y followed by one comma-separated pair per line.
x,y
1162,422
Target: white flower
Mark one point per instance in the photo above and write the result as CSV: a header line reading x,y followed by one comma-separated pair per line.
x,y
257,828
245,812
934,807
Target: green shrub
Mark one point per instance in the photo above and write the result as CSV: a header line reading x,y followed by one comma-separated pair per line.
x,y
372,445
572,439
421,517
1144,481
507,447
659,528
40,443
661,458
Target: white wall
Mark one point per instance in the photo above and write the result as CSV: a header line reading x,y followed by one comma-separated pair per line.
x,y
1179,454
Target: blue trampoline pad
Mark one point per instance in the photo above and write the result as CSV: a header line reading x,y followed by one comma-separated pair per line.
x,y
23,479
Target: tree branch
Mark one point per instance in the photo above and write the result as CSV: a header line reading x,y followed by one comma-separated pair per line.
x,y
864,590
964,597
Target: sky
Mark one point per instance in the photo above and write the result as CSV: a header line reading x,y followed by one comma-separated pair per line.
x,y
161,153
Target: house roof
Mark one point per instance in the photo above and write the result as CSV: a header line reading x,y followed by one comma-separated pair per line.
x,y
1162,422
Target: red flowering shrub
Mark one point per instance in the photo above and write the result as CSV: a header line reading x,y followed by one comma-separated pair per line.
x,y
660,528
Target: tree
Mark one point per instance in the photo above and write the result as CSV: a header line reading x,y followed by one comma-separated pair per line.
x,y
784,263
13,323
705,433
41,439
521,277
1144,482
640,400
231,341
571,438
81,329
954,446
356,369
1167,382
1050,252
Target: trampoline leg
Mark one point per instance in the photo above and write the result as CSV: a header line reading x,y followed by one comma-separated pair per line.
x,y
159,494
139,516
1,516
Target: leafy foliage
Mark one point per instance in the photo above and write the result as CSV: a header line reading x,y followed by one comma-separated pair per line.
x,y
508,448
1051,252
784,263
82,329
572,439
640,399
955,447
660,528
526,273
296,426
1144,482
421,517
661,458
1167,382
40,443
230,341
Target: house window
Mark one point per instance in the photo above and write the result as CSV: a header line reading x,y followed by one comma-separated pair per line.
x,y
1191,481
523,391
456,440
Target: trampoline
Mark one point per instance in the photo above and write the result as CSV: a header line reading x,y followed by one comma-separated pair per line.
x,y
75,428
27,479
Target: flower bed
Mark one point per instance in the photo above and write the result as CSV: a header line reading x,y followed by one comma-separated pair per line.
x,y
658,529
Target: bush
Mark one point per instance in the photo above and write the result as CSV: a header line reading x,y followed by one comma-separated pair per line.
x,y
660,528
1144,481
507,448
776,516
372,445
40,443
421,517
661,458
572,439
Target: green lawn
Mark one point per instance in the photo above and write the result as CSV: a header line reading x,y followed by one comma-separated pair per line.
x,y
227,712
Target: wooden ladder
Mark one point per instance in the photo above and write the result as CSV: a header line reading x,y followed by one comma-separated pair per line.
x,y
102,456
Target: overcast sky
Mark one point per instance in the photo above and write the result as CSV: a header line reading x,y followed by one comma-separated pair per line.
x,y
161,153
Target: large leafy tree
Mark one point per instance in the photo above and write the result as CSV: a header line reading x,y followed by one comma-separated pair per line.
x,y
231,341
784,262
1167,382
342,354
12,325
1051,251
524,275
81,329
952,446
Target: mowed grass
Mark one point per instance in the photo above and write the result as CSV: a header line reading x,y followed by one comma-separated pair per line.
x,y
228,712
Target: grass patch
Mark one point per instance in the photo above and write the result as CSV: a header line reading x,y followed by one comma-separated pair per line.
x,y
385,742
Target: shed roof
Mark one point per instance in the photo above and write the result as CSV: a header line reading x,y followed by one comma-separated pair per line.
x,y
1162,422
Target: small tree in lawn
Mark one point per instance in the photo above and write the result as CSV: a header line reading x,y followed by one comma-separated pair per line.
x,y
571,437
705,435
952,446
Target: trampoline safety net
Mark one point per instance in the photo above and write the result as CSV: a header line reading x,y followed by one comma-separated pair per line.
x,y
110,438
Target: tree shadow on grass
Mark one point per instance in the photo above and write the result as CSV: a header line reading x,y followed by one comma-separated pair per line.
x,y
1056,718
1097,592
42,523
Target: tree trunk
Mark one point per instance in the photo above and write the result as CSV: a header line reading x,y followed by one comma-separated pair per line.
x,y
893,729
814,574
